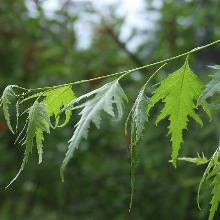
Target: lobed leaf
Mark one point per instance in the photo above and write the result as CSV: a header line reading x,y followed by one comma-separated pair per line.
x,y
179,92
106,97
57,98
38,122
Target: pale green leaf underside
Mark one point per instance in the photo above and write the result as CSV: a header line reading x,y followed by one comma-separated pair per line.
x,y
215,195
212,87
179,92
56,99
6,101
139,117
106,97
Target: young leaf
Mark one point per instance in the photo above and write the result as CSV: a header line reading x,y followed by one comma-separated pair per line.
x,y
38,121
56,99
179,92
104,100
212,87
6,101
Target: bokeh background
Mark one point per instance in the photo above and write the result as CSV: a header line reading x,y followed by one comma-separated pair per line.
x,y
49,42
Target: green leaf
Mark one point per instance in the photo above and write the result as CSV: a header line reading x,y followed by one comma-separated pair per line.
x,y
38,121
106,97
212,87
57,98
6,100
215,195
179,92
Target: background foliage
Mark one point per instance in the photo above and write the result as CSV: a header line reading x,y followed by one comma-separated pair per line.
x,y
40,50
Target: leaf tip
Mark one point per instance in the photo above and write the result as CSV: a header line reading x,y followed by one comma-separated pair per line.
x,y
62,174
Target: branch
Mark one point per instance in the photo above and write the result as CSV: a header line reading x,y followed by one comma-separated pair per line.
x,y
126,72
123,46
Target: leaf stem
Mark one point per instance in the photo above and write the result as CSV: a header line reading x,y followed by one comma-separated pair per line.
x,y
132,70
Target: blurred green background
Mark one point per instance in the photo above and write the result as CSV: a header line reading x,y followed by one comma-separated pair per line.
x,y
43,43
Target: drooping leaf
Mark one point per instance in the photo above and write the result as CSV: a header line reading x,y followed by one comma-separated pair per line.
x,y
215,194
106,97
6,100
179,92
138,117
212,174
38,122
212,87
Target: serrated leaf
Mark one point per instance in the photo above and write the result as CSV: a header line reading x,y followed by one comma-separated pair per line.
x,y
212,173
138,117
215,196
56,99
212,87
38,122
106,97
179,92
6,100
213,162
